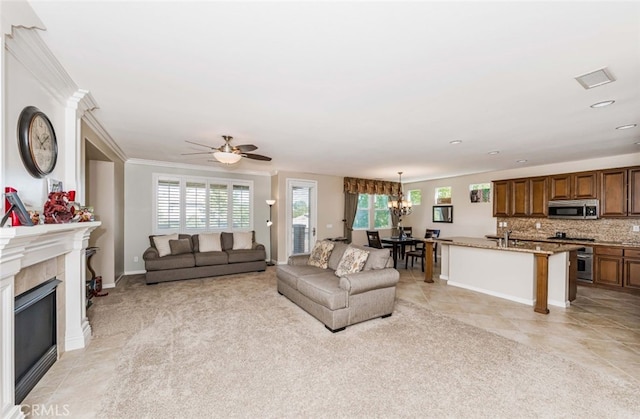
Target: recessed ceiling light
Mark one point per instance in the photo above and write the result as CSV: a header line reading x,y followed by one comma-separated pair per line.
x,y
455,142
638,143
494,152
627,126
521,161
603,104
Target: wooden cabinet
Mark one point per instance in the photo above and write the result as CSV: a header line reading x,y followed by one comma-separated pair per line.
x,y
608,266
501,198
632,269
583,185
633,181
520,197
613,196
538,193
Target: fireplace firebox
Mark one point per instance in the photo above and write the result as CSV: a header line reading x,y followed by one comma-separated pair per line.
x,y
35,336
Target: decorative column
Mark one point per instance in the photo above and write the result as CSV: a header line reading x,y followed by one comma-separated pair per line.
x,y
78,330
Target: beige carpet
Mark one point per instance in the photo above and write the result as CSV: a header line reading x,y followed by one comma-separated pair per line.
x,y
233,347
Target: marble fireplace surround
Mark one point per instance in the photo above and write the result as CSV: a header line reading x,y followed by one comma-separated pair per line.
x,y
23,247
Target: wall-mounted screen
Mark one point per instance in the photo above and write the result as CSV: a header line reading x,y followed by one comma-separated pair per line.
x,y
443,213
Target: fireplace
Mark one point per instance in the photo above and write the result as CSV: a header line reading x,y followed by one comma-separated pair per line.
x,y
35,336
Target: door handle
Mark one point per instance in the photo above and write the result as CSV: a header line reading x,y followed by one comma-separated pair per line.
x,y
313,231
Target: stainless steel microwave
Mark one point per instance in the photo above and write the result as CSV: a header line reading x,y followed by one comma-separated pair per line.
x,y
579,209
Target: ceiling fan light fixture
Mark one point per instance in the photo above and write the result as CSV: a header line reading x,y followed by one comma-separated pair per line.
x,y
226,158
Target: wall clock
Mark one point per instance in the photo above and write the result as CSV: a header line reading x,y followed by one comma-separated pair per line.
x,y
37,142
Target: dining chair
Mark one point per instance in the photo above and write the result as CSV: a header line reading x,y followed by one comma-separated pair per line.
x,y
420,249
373,237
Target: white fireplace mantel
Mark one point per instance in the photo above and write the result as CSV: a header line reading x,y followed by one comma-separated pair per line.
x,y
25,246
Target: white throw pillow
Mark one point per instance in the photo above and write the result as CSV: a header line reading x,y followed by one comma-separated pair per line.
x,y
162,243
352,261
209,242
242,240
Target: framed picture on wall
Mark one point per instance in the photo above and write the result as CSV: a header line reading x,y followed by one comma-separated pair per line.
x,y
54,185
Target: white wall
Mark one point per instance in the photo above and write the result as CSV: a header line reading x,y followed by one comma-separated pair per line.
x,y
476,219
139,205
101,196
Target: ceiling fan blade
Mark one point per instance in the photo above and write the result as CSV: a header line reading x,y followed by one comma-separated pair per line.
x,y
200,152
202,145
246,147
256,157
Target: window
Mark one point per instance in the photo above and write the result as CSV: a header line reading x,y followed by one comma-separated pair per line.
x,y
479,192
372,213
443,195
199,204
415,196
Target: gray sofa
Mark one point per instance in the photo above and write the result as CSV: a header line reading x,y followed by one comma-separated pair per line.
x,y
341,302
196,264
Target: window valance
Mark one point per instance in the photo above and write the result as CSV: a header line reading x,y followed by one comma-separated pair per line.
x,y
370,186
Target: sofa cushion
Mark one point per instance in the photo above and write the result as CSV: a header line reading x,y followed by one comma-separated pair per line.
x,y
353,260
227,240
209,242
242,240
246,255
320,254
324,289
162,243
289,274
336,255
185,260
180,246
211,258
378,258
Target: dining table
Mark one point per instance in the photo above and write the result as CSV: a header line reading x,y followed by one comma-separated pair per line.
x,y
399,244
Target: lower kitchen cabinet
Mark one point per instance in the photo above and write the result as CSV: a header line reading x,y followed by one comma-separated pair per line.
x,y
632,269
608,266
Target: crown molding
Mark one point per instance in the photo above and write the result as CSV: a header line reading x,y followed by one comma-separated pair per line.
x,y
18,14
29,49
90,119
195,167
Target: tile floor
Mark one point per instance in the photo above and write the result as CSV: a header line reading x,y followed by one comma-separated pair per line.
x,y
601,330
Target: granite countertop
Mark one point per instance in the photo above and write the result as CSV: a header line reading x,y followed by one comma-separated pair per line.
x,y
548,248
581,243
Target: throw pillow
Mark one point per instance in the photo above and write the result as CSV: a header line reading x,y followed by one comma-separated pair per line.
x,y
209,242
180,246
242,240
320,254
162,243
352,261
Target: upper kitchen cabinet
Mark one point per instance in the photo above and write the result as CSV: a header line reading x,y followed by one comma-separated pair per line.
x,y
620,192
634,191
525,197
613,196
583,185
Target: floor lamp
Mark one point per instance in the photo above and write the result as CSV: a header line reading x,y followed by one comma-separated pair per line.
x,y
270,202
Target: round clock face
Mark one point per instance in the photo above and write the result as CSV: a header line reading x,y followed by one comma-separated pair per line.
x,y
37,141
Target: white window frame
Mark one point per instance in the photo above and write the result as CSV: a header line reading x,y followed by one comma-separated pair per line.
x,y
372,213
207,181
415,204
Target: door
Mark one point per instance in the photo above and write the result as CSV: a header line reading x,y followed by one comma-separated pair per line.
x,y
301,215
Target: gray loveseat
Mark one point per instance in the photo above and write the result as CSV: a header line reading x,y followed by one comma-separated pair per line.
x,y
339,302
195,264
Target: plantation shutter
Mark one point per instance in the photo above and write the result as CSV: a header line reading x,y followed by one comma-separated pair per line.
x,y
218,206
195,205
168,204
241,211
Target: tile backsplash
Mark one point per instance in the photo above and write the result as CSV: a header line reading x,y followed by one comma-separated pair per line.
x,y
603,229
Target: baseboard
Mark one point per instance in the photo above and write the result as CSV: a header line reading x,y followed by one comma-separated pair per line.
x,y
134,272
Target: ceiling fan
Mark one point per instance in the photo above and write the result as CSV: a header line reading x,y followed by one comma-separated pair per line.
x,y
230,154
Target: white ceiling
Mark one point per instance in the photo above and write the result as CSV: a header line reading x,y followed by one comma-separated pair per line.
x,y
362,89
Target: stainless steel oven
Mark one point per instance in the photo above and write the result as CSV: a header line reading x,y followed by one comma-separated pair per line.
x,y
585,264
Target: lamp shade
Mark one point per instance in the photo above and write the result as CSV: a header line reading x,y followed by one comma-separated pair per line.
x,y
271,202
226,158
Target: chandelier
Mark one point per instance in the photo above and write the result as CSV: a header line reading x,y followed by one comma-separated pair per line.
x,y
400,207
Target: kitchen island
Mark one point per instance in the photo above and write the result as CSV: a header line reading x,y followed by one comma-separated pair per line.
x,y
534,273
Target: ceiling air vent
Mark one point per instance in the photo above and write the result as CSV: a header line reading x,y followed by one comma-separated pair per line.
x,y
595,78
